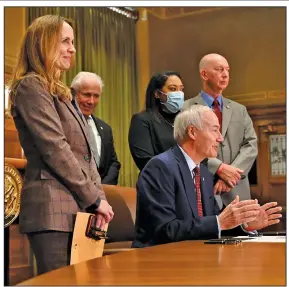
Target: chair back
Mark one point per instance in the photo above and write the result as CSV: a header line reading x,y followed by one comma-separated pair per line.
x,y
123,202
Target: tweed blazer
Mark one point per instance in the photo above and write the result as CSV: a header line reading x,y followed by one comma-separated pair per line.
x,y
239,147
61,177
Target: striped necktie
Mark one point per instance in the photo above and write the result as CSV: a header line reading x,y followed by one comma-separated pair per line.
x,y
198,190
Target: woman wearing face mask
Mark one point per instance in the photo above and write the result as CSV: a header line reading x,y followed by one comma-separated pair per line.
x,y
151,131
61,176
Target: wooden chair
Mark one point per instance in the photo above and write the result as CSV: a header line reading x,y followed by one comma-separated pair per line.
x,y
121,229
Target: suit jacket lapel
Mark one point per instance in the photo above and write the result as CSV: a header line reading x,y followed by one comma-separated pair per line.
x,y
205,195
226,114
81,122
198,100
189,185
101,134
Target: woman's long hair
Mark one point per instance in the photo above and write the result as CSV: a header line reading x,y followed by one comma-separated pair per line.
x,y
38,55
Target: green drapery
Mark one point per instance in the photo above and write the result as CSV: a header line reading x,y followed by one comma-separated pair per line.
x,y
105,43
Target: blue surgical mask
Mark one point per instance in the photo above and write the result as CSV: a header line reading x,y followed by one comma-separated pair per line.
x,y
175,101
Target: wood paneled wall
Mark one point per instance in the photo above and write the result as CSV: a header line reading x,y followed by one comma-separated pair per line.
x,y
15,26
253,39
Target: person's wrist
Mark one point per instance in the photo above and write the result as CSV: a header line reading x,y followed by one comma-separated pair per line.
x,y
221,167
220,222
97,203
246,227
92,208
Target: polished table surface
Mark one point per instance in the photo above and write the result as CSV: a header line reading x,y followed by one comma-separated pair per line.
x,y
182,263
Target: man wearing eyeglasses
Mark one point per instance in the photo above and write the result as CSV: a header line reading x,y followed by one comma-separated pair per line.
x,y
86,89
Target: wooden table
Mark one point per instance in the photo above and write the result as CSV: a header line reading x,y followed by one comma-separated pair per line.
x,y
182,263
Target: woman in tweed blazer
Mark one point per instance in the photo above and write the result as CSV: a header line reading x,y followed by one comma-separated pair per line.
x,y
61,176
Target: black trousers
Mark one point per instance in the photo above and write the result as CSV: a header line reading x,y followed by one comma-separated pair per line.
x,y
51,249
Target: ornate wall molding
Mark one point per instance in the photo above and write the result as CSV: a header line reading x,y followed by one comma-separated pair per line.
x,y
167,13
259,99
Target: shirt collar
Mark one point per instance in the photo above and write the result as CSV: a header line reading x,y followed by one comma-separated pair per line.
x,y
190,162
209,99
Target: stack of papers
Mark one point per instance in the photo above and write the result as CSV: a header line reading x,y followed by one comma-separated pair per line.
x,y
272,239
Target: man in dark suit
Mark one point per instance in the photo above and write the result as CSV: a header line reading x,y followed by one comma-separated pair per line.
x,y
175,199
86,88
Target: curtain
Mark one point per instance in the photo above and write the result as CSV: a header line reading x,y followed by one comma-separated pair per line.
x,y
105,43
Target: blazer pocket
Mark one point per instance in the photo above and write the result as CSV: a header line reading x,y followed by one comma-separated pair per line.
x,y
44,174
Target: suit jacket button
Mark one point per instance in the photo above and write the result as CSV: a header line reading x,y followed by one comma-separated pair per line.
x,y
86,157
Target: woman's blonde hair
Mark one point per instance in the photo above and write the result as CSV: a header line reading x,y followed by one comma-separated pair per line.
x,y
38,54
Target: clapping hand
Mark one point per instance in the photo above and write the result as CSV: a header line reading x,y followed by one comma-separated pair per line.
x,y
269,214
238,212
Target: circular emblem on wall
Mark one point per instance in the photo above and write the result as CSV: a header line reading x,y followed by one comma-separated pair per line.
x,y
13,186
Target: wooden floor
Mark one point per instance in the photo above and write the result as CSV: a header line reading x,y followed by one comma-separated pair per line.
x,y
183,263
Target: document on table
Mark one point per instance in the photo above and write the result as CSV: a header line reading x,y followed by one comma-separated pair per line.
x,y
272,239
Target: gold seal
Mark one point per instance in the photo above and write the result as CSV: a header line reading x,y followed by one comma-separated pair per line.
x,y
13,186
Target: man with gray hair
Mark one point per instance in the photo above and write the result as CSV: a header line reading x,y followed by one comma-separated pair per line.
x,y
175,199
238,151
86,89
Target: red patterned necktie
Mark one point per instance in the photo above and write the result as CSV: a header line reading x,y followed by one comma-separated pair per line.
x,y
198,190
217,111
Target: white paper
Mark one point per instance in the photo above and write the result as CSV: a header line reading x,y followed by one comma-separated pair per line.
x,y
271,239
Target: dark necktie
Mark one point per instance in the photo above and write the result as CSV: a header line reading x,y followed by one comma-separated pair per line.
x,y
217,111
92,140
198,190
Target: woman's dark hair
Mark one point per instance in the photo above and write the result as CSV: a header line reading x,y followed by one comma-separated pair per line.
x,y
156,83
